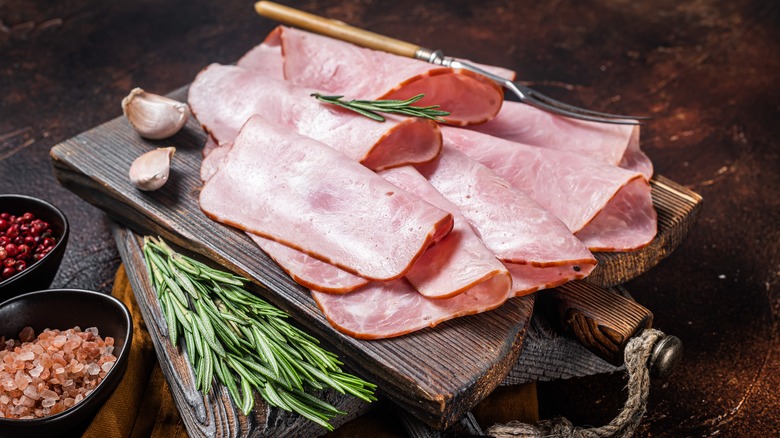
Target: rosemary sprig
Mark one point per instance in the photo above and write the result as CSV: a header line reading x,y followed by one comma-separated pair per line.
x,y
370,108
243,341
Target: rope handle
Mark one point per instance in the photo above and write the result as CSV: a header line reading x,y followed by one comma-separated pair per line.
x,y
653,352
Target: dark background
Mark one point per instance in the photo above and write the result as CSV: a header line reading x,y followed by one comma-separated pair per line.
x,y
706,70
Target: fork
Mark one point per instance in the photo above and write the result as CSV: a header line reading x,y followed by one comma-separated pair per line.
x,y
340,30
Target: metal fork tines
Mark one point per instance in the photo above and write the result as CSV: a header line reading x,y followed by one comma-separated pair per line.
x,y
531,96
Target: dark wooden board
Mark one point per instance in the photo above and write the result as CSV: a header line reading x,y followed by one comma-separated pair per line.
x,y
435,374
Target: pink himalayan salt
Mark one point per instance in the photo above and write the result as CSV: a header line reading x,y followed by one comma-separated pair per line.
x,y
27,355
46,375
93,369
32,392
59,341
36,372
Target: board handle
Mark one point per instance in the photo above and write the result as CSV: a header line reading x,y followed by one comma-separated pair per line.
x,y
335,29
600,319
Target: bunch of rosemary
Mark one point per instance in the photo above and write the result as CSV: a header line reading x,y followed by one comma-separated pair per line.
x,y
244,341
371,108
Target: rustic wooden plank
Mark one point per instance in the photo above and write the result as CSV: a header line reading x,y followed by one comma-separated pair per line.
x,y
436,374
549,355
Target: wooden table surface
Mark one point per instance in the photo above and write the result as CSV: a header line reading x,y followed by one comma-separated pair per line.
x,y
706,70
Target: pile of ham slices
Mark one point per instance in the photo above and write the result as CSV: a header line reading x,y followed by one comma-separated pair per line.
x,y
401,225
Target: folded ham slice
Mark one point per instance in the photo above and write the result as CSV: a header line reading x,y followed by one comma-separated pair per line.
x,y
308,271
459,261
224,97
299,192
614,203
389,309
266,58
455,264
612,144
316,61
213,156
537,248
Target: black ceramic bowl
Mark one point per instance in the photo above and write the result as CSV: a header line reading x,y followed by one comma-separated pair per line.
x,y
40,274
63,309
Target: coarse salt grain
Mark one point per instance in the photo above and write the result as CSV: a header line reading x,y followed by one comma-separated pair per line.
x,y
27,355
93,369
36,372
59,341
45,375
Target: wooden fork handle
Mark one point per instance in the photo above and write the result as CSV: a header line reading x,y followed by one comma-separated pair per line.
x,y
335,29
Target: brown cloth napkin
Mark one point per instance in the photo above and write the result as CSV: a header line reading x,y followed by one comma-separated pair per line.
x,y
142,405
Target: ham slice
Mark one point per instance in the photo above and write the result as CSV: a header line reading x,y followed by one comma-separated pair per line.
x,y
326,64
266,58
224,97
609,143
537,248
385,310
627,222
213,156
635,159
303,194
574,188
459,261
381,310
308,271
455,264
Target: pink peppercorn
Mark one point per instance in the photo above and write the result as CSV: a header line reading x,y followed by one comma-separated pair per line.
x,y
24,239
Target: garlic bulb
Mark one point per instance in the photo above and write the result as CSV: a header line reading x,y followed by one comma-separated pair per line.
x,y
150,171
154,116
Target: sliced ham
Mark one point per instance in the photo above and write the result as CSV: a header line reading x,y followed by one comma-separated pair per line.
x,y
574,188
316,61
308,271
537,248
303,194
455,264
389,309
266,58
209,146
459,261
609,143
213,156
527,279
628,221
224,97
635,159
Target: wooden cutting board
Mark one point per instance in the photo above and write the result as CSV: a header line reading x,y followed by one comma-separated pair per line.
x,y
435,374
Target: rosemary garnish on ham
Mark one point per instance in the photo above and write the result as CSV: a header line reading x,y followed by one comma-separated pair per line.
x,y
371,108
243,341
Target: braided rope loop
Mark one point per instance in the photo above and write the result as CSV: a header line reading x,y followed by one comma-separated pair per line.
x,y
637,357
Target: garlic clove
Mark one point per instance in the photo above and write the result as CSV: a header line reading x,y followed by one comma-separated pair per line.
x,y
150,171
154,116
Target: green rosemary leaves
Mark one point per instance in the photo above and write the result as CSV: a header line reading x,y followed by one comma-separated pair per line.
x,y
370,108
243,341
